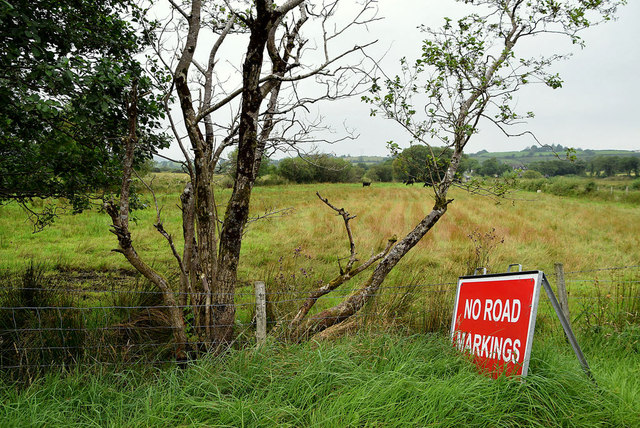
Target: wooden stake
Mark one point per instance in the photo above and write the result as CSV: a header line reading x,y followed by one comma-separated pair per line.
x,y
261,313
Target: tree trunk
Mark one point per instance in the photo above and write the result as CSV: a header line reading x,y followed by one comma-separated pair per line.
x,y
120,227
237,212
358,299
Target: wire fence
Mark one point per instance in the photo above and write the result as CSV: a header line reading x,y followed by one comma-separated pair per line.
x,y
49,322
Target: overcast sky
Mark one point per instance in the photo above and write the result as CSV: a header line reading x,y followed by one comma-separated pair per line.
x,y
597,108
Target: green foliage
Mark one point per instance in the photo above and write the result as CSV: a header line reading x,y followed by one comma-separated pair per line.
x,y
424,164
319,168
493,168
531,174
65,74
607,166
382,380
381,171
552,168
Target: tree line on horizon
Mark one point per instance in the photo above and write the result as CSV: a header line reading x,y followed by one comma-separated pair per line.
x,y
414,164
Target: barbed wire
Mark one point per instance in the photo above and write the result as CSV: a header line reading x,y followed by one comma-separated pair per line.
x,y
199,294
603,269
93,329
604,281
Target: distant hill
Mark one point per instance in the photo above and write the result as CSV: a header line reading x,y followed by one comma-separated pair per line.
x,y
163,165
534,153
367,160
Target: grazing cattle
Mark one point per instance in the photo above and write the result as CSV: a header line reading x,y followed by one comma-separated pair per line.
x,y
409,181
366,184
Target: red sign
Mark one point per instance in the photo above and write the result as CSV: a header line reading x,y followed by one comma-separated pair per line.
x,y
494,318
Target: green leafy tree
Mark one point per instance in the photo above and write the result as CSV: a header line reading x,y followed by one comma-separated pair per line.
x,y
296,170
629,164
493,168
66,71
319,168
381,172
556,167
424,164
606,166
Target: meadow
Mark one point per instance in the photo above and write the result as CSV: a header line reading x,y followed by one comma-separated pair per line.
x,y
538,230
399,369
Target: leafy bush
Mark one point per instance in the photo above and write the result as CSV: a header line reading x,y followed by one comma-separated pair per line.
x,y
319,168
590,187
226,182
271,180
531,174
533,185
557,167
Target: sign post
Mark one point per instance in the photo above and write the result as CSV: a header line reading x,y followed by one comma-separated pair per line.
x,y
494,320
566,325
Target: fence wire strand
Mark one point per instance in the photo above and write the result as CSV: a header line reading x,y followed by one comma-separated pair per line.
x,y
115,327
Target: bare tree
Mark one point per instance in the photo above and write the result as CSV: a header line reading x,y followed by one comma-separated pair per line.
x,y
468,72
257,107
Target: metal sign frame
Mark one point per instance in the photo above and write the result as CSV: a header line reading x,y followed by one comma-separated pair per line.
x,y
566,326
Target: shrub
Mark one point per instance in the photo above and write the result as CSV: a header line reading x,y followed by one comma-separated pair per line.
x,y
271,180
565,186
226,182
533,185
319,168
531,174
590,187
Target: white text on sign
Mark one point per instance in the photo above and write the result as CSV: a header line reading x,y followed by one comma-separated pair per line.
x,y
494,310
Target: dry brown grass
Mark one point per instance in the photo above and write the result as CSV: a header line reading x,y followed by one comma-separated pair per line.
x,y
538,230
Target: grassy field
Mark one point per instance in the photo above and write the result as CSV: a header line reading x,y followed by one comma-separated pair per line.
x,y
384,377
364,380
538,229
518,158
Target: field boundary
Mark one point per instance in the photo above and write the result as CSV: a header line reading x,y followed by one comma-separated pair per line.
x,y
46,324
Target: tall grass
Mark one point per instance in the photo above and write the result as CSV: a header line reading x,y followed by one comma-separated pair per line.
x,y
49,324
34,331
538,230
384,380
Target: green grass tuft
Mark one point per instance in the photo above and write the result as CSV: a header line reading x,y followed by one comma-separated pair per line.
x,y
383,380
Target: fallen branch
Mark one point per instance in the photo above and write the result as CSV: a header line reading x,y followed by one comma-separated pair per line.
x,y
345,275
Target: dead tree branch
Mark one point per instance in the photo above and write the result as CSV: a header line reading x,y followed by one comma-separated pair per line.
x,y
297,330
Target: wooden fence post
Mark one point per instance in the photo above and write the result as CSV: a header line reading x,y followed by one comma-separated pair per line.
x,y
261,313
563,297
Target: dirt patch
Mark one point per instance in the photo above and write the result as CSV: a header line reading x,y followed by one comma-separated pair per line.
x,y
96,279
